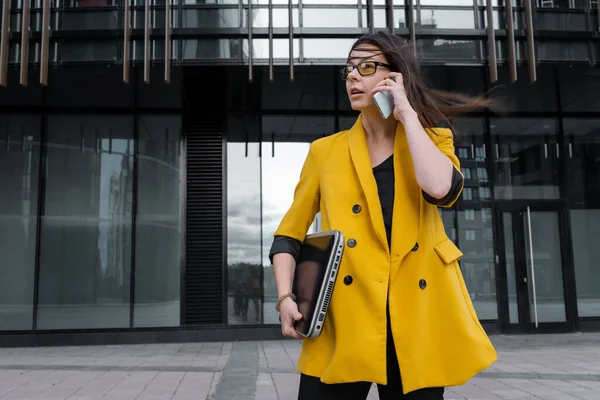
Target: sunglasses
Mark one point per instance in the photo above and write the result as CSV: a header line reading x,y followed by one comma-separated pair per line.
x,y
364,68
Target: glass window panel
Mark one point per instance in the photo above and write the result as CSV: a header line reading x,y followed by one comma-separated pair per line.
x,y
442,49
158,225
448,19
308,91
560,51
524,96
158,93
295,128
19,169
526,158
280,175
400,17
500,19
90,20
511,279
379,18
474,223
464,3
260,18
210,49
562,4
582,137
552,21
585,231
210,18
35,50
90,3
157,50
579,88
244,236
17,94
90,50
281,48
85,254
330,17
194,2
327,48
157,18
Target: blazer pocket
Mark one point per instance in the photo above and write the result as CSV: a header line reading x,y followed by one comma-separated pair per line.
x,y
448,251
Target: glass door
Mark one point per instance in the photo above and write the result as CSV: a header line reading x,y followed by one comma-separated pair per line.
x,y
535,254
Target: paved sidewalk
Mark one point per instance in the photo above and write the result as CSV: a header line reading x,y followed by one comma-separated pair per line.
x,y
530,367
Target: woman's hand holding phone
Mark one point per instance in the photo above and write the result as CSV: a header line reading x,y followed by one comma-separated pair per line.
x,y
393,84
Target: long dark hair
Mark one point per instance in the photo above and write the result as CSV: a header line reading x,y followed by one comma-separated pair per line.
x,y
430,104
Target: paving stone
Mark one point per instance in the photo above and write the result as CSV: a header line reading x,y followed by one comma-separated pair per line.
x,y
530,367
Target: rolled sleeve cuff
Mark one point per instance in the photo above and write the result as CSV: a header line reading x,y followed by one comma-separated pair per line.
x,y
285,244
453,193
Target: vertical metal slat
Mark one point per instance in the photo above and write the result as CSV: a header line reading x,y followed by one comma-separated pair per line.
x,y
291,26
168,41
25,30
360,20
147,42
530,41
270,40
45,43
389,9
370,23
512,56
126,41
411,24
4,43
250,51
491,41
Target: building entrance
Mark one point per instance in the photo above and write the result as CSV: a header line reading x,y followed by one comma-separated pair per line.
x,y
535,252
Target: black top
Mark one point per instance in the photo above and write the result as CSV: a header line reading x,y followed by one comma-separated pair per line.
x,y
385,178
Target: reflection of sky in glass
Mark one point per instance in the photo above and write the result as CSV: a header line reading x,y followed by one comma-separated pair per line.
x,y
279,179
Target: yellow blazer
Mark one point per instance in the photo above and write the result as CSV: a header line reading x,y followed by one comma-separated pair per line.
x,y
439,340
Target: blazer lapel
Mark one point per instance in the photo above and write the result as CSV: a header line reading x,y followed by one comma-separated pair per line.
x,y
362,164
407,199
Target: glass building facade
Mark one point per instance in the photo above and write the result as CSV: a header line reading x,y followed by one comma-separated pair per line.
x,y
148,151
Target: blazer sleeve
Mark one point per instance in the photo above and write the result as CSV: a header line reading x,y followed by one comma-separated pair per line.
x,y
305,206
445,142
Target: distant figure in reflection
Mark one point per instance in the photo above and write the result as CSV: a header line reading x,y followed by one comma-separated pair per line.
x,y
400,315
252,292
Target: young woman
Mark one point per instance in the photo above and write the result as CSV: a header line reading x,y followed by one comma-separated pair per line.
x,y
400,315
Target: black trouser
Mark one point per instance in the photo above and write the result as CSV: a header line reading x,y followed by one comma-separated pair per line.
x,y
312,388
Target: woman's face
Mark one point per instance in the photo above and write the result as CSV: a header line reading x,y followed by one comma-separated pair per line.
x,y
364,59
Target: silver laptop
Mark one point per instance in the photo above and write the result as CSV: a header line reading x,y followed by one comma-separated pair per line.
x,y
314,279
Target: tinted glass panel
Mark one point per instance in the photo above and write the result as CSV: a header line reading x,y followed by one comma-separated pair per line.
x,y
244,252
158,224
525,158
579,88
474,217
19,166
85,258
582,138
313,89
523,95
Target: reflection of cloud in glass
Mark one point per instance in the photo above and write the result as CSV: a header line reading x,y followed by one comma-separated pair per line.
x,y
243,203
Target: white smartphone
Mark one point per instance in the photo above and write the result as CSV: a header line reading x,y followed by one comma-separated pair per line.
x,y
385,103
